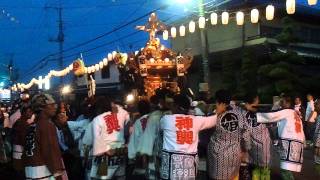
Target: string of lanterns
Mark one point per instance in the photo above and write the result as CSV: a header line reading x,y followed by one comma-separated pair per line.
x,y
225,16
240,17
53,73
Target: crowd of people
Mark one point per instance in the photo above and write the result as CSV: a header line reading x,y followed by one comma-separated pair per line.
x,y
157,138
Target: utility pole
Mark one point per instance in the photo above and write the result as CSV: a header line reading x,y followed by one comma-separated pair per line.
x,y
60,38
204,49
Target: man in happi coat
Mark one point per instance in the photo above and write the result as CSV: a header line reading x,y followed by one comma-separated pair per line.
x,y
259,139
109,149
42,154
179,157
224,146
290,130
19,130
152,136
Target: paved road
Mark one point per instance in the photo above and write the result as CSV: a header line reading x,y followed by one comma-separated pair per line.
x,y
308,172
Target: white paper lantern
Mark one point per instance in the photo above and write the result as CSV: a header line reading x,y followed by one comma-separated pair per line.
x,y
109,56
312,2
270,12
202,22
97,67
182,30
240,18
254,15
173,32
166,60
214,18
105,61
101,64
192,26
114,53
291,6
165,35
225,18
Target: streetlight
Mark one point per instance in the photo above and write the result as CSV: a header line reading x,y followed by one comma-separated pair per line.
x,y
66,89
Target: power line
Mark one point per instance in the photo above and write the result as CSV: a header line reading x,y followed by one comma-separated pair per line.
x,y
92,49
98,37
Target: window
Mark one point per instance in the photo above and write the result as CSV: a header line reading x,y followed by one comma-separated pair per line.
x,y
105,72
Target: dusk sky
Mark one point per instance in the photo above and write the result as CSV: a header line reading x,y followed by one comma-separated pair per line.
x,y
26,26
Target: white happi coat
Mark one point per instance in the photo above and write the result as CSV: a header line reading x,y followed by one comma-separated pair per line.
x,y
135,138
175,125
290,130
150,134
180,144
106,138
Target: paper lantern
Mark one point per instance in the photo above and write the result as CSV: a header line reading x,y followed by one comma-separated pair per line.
x,y
114,53
225,18
312,2
291,6
165,35
254,15
269,12
97,67
152,60
202,22
105,61
166,60
109,56
192,26
240,18
173,32
182,30
214,18
101,64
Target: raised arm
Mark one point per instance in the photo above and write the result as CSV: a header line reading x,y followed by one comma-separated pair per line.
x,y
272,117
207,122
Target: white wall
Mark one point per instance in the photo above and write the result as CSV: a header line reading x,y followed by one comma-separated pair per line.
x,y
114,77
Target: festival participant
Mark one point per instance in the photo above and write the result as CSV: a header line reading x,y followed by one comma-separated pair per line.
x,y
152,137
41,148
224,148
291,135
310,117
109,149
317,138
180,140
259,152
135,138
18,135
